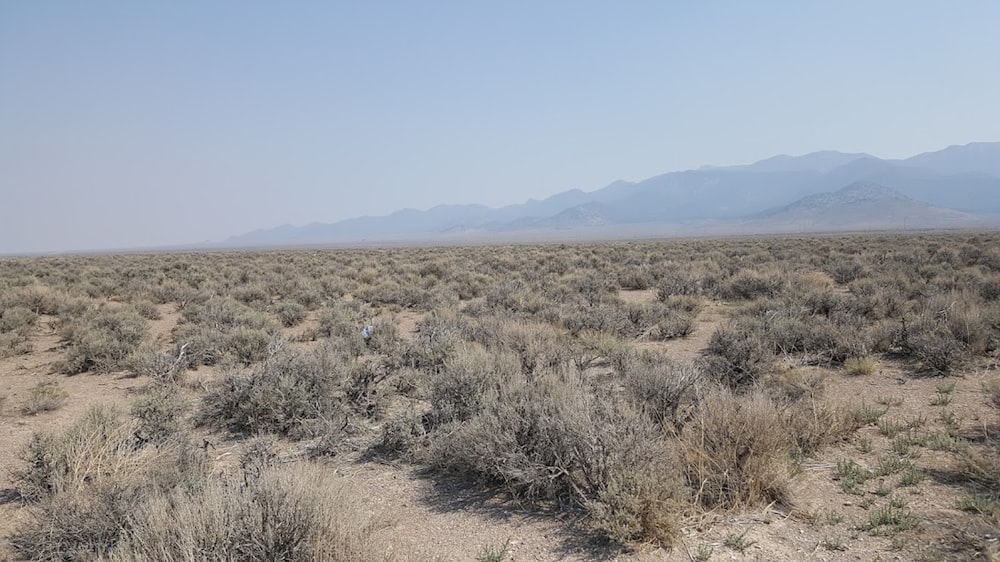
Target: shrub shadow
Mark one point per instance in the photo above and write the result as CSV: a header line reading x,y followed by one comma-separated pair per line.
x,y
451,493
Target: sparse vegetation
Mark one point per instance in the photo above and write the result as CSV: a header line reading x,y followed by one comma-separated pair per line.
x,y
635,384
44,397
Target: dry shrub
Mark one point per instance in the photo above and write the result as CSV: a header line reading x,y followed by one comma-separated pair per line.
x,y
821,302
662,321
933,344
384,337
966,317
538,346
748,284
684,280
291,313
737,356
548,437
16,319
736,451
13,344
660,385
578,319
294,513
288,395
103,340
981,467
39,299
991,387
403,295
250,345
162,366
437,338
44,397
593,287
636,278
811,421
159,415
223,327
147,309
458,391
364,387
402,435
254,295
86,481
812,281
845,270
342,324
202,345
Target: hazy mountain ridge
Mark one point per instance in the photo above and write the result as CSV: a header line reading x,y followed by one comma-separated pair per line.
x,y
861,206
950,188
856,193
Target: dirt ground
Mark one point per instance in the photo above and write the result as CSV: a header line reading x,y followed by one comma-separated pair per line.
x,y
437,518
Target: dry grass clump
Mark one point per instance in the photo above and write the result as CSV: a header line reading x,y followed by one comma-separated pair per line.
x,y
861,366
737,451
44,397
97,492
85,482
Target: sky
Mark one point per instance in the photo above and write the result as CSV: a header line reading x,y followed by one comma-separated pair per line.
x,y
136,124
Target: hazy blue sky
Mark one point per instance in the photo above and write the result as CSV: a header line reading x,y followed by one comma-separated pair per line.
x,y
129,124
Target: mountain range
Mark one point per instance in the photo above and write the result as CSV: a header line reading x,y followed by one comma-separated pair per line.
x,y
957,187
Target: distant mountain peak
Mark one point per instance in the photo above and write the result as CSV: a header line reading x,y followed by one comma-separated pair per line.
x,y
868,191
